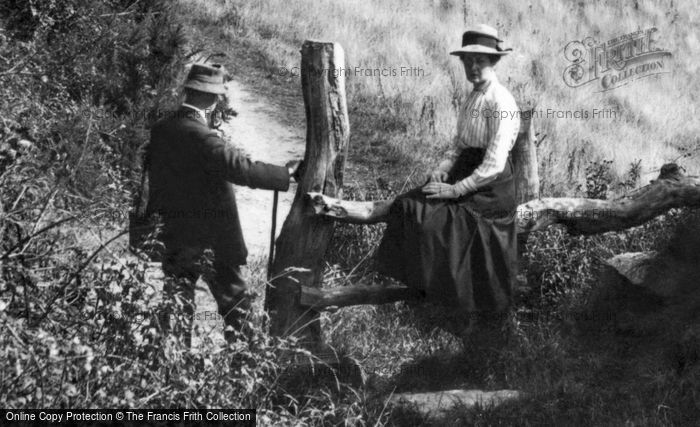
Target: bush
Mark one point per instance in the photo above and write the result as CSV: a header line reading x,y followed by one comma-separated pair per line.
x,y
98,342
78,81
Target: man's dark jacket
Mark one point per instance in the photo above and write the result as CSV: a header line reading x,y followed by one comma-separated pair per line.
x,y
190,171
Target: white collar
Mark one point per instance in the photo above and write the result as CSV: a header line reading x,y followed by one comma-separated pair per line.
x,y
201,114
486,83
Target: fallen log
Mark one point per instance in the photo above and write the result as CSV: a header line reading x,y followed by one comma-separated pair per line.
x,y
349,211
359,294
343,296
578,215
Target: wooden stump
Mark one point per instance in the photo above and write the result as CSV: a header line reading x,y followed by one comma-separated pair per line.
x,y
525,175
304,237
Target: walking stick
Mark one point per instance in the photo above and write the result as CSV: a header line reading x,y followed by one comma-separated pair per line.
x,y
272,247
272,235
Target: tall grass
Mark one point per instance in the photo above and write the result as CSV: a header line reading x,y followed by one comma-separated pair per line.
x,y
654,116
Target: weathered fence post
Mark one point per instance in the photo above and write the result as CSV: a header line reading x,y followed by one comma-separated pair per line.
x,y
304,237
525,174
527,180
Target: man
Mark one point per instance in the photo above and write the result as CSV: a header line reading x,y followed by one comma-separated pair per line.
x,y
190,171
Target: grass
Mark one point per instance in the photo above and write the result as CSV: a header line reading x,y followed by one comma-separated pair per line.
x,y
585,351
652,121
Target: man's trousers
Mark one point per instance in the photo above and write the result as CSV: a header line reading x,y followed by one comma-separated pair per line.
x,y
182,266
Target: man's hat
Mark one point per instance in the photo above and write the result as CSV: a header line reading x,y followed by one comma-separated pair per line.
x,y
206,78
481,39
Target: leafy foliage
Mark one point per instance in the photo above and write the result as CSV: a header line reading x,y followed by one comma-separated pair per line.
x,y
598,179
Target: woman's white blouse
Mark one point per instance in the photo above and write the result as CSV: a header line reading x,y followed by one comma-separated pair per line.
x,y
489,119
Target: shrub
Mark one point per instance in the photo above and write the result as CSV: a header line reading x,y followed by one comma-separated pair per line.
x,y
74,115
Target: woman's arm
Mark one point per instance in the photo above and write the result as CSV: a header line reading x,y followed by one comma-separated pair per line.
x,y
504,124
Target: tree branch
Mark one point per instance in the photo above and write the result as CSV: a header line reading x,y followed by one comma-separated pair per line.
x,y
578,215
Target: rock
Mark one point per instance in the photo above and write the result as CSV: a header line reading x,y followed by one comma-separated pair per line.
x,y
658,275
440,401
634,266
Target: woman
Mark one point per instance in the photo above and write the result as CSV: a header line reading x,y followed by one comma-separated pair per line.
x,y
455,237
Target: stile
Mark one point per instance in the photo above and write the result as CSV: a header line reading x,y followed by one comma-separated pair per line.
x,y
304,237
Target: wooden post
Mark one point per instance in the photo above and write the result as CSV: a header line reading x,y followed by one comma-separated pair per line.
x,y
304,237
527,180
525,174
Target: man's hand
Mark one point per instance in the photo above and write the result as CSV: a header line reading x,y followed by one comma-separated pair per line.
x,y
296,169
439,175
440,190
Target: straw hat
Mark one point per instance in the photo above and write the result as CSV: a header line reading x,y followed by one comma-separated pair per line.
x,y
481,39
206,78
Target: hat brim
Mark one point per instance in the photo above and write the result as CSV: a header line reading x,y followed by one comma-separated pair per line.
x,y
477,48
215,88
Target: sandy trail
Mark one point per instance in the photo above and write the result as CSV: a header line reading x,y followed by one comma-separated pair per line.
x,y
264,138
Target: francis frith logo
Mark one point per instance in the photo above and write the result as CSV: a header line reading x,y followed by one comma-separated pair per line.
x,y
616,62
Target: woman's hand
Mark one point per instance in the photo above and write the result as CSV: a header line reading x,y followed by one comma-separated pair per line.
x,y
440,190
439,175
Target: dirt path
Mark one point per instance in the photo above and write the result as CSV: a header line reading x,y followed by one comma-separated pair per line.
x,y
258,131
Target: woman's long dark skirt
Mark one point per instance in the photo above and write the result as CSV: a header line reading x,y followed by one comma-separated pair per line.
x,y
460,252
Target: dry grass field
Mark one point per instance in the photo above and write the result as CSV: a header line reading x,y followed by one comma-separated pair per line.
x,y
652,119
